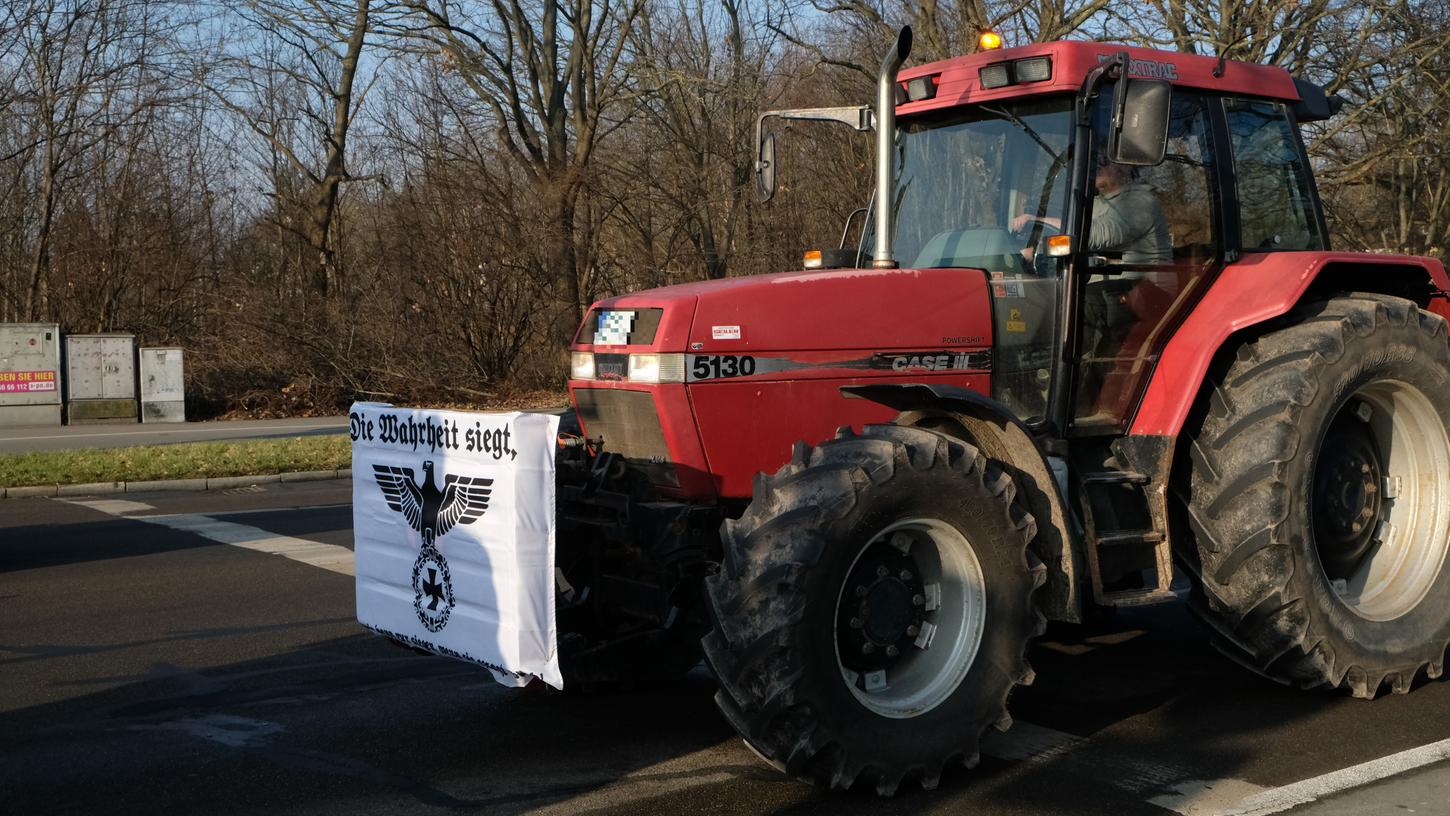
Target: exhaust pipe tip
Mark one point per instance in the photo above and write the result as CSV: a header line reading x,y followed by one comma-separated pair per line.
x,y
902,50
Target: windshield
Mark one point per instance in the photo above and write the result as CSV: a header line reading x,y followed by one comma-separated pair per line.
x,y
964,176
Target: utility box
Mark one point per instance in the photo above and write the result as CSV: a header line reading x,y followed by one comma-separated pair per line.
x,y
163,385
29,374
100,378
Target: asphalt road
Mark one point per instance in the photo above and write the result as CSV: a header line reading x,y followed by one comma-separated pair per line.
x,y
145,667
64,437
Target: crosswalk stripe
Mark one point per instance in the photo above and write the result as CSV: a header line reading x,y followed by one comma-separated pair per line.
x,y
313,553
1276,800
114,507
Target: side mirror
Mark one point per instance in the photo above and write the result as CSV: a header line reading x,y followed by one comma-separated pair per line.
x,y
765,167
1139,133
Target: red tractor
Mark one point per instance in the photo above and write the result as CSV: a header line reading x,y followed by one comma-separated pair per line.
x,y
1094,330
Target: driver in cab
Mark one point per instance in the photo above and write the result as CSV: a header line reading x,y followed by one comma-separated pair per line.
x,y
1127,219
1127,223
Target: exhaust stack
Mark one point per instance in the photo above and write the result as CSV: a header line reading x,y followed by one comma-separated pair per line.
x,y
881,258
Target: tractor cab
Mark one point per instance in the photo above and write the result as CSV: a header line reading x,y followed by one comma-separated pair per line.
x,y
1091,262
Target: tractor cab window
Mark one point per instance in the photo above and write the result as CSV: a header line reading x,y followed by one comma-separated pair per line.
x,y
1276,209
1153,239
965,178
963,174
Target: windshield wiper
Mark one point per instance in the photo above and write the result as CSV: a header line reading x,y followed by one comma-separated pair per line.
x,y
1026,128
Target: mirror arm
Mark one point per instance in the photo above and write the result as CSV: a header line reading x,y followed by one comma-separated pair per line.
x,y
857,117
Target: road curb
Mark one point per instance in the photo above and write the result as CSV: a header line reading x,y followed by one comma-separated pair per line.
x,y
214,483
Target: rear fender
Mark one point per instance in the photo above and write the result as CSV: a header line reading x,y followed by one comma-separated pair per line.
x,y
1254,291
1002,437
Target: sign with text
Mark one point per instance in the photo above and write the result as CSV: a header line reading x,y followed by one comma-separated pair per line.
x,y
12,382
453,518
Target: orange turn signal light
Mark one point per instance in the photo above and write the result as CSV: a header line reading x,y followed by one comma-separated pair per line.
x,y
989,41
1059,245
813,259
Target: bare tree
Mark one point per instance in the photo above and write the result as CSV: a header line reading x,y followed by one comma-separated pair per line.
x,y
87,71
306,68
857,31
551,74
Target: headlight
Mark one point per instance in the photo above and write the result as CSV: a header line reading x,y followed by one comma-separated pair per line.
x,y
581,365
657,368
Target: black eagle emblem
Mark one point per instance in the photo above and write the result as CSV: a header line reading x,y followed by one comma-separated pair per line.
x,y
429,510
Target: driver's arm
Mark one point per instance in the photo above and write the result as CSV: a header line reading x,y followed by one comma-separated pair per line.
x,y
1027,218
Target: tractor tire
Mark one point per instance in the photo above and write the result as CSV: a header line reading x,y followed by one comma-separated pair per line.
x,y
874,609
1319,498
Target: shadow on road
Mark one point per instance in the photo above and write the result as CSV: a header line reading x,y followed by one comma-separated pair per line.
x,y
295,708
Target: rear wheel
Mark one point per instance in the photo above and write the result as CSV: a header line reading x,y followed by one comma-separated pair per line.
x,y
1320,498
875,608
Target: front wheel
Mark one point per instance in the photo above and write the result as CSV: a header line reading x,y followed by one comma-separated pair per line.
x,y
874,609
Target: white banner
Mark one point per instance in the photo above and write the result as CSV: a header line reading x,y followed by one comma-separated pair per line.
x,y
453,519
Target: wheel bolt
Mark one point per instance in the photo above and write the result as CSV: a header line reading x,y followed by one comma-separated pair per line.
x,y
860,592
857,623
882,571
906,575
911,631
918,600
892,651
868,648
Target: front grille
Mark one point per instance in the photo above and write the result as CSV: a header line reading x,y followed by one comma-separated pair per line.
x,y
630,426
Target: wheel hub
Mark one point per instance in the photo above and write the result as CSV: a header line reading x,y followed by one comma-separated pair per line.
x,y
1347,495
883,611
888,611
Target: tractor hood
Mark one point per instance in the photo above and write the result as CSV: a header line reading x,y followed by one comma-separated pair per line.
x,y
890,309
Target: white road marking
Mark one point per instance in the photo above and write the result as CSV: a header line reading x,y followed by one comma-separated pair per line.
x,y
314,553
260,431
1026,741
1031,744
1195,797
1288,796
297,509
115,507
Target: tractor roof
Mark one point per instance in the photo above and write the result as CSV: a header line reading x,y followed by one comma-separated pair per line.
x,y
957,81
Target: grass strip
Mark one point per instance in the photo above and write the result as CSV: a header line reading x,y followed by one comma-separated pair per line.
x,y
192,460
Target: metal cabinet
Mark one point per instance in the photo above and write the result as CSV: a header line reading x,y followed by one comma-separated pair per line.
x,y
100,373
163,385
30,377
